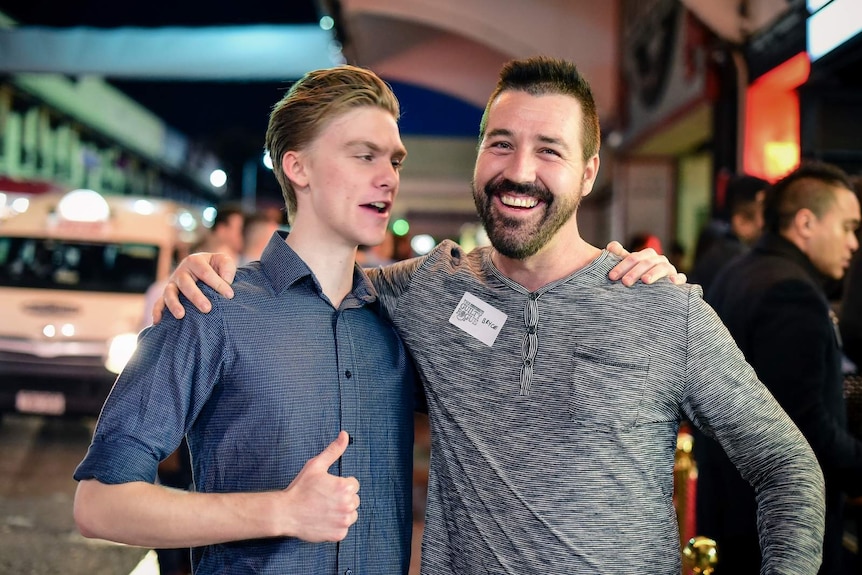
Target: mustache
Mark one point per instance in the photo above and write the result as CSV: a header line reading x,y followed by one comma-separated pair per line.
x,y
525,189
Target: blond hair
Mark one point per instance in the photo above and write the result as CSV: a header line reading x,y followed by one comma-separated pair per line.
x,y
314,100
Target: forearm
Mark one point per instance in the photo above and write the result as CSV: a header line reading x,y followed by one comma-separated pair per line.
x,y
155,516
762,442
791,511
773,456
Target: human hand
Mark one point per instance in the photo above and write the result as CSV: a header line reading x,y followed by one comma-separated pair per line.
x,y
320,506
217,270
645,265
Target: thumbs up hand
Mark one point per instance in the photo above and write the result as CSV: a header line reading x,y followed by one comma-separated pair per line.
x,y
321,506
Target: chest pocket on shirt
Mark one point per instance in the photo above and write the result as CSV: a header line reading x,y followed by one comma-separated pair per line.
x,y
607,388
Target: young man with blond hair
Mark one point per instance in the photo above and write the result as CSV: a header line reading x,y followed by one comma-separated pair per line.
x,y
294,393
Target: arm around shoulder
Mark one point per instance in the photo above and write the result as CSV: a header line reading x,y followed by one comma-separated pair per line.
x,y
217,270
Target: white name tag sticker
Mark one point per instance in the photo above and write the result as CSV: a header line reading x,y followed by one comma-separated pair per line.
x,y
481,320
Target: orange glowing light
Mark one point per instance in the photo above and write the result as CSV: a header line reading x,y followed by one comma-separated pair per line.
x,y
772,143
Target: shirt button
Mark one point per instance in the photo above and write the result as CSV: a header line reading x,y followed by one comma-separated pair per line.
x,y
347,374
348,572
528,362
531,329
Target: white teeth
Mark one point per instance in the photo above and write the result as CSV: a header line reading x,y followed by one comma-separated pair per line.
x,y
379,205
519,201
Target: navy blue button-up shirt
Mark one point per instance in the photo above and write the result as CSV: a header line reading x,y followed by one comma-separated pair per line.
x,y
259,385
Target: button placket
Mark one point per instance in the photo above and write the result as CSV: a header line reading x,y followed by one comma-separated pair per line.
x,y
530,343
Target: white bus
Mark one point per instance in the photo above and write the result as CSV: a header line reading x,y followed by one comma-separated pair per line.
x,y
74,268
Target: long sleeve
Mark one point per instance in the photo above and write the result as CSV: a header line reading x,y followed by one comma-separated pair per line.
x,y
725,399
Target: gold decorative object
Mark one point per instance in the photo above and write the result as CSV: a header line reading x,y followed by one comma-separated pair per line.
x,y
700,555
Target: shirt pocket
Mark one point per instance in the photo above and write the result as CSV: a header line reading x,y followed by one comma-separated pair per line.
x,y
607,388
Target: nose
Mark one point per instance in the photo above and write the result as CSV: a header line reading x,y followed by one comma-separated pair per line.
x,y
388,177
854,242
520,167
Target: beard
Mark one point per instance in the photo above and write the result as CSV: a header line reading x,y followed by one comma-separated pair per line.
x,y
514,237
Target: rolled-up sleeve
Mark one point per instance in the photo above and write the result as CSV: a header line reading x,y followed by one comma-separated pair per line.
x,y
156,397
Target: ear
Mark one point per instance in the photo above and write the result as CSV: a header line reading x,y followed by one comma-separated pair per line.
x,y
293,164
803,222
591,172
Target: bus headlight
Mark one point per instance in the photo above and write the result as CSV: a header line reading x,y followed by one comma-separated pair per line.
x,y
120,351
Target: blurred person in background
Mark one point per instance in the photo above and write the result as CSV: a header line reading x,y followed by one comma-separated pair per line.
x,y
773,302
555,393
257,232
723,239
735,234
226,233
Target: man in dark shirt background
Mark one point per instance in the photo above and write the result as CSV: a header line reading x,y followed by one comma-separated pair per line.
x,y
773,302
723,240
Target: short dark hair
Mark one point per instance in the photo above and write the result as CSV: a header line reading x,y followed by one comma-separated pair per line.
x,y
742,192
810,186
542,75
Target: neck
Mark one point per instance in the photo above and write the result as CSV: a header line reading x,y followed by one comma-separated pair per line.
x,y
548,265
795,238
331,263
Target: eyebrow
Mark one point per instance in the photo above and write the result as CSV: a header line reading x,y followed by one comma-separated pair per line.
x,y
544,139
399,152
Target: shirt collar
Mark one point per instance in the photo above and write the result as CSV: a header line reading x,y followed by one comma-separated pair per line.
x,y
283,268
